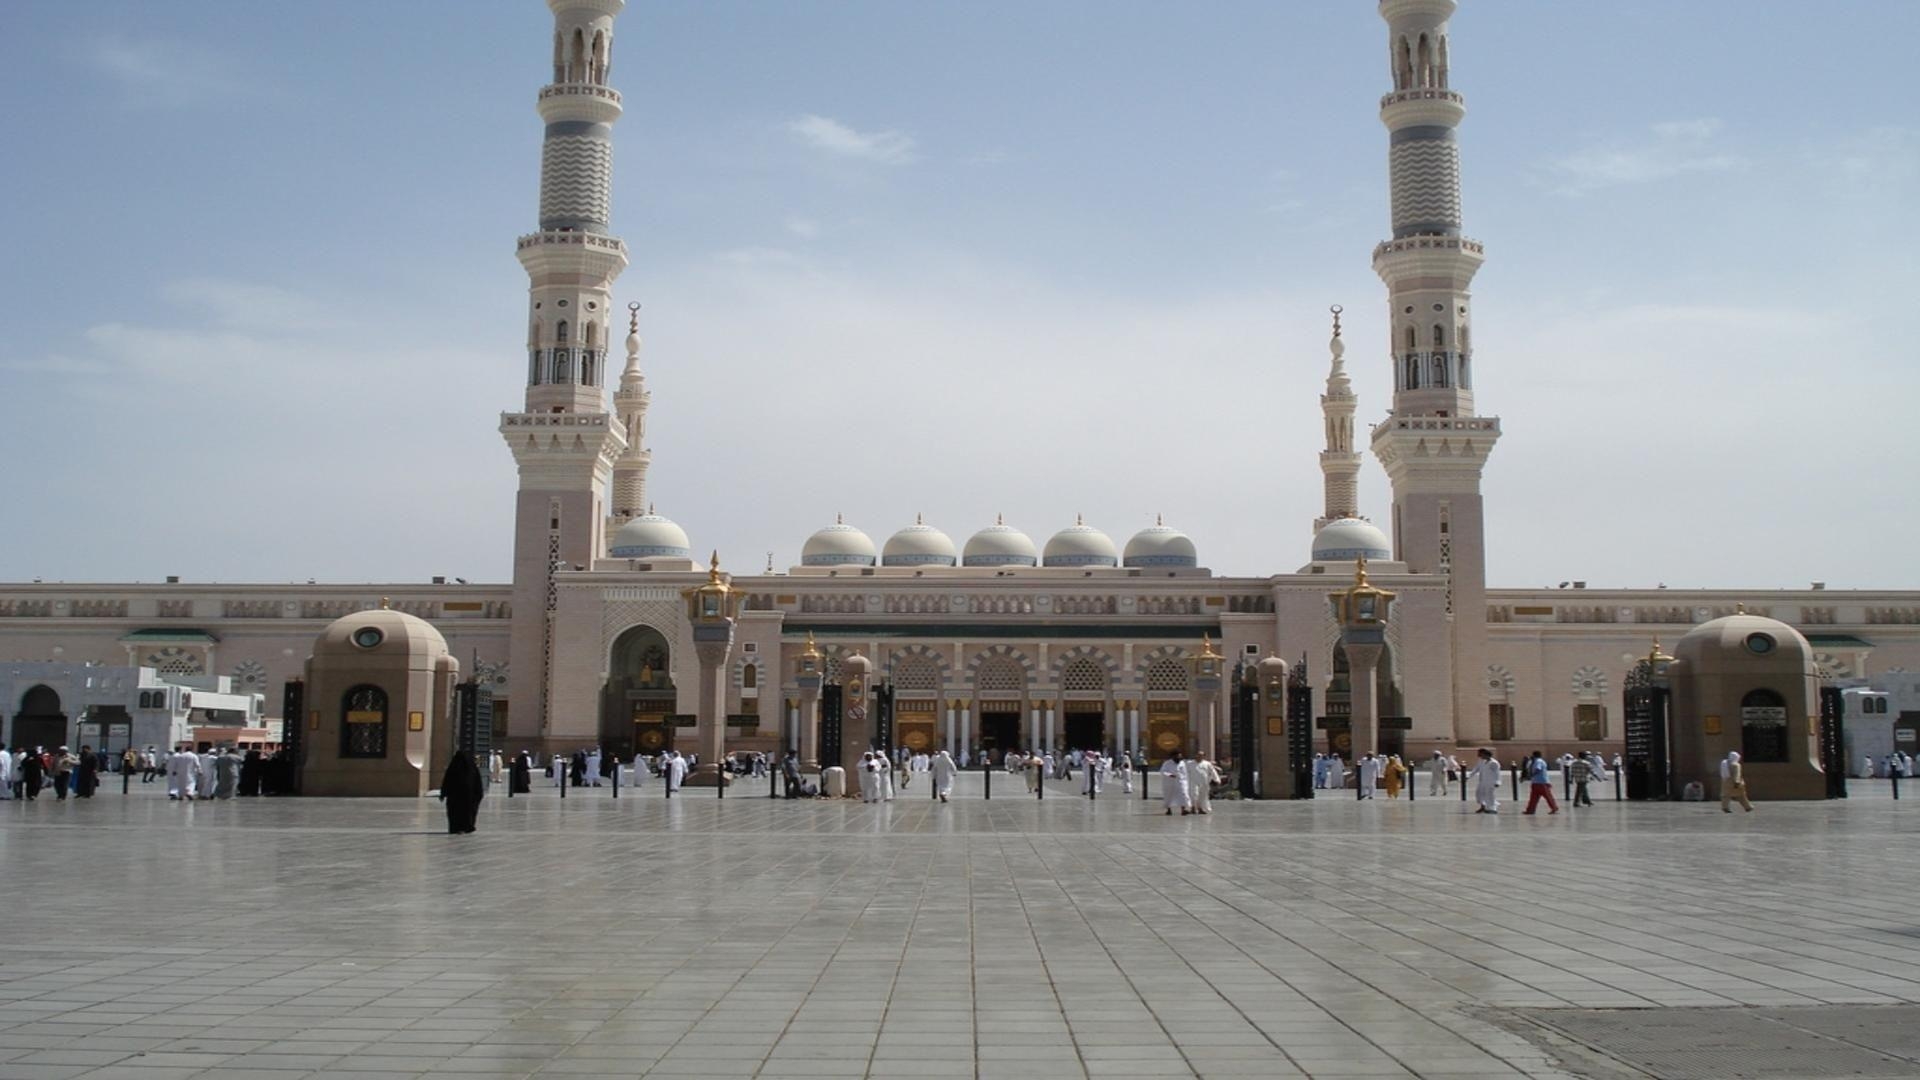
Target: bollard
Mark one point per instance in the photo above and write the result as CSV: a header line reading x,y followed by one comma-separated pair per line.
x,y
1516,783
1413,782
1143,781
1894,776
560,770
1566,782
1040,785
1463,786
616,777
126,777
988,774
720,779
770,772
1616,784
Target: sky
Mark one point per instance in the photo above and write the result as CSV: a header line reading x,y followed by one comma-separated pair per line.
x,y
261,310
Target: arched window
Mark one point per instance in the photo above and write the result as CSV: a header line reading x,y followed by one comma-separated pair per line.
x,y
750,677
1410,377
560,332
1763,726
1439,336
599,57
588,370
1402,68
1441,81
1083,674
562,366
1169,674
577,63
363,723
1425,70
586,335
1440,370
559,58
533,368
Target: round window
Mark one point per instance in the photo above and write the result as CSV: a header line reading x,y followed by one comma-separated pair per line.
x,y
368,636
1759,643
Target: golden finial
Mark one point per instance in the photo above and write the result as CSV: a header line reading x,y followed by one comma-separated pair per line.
x,y
999,519
1206,647
812,650
839,518
919,520
713,569
1739,608
386,603
1159,520
633,317
1360,570
1336,309
1079,520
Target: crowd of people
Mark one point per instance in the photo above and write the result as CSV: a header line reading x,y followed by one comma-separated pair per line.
x,y
1897,765
221,772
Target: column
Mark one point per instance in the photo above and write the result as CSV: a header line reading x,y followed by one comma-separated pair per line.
x,y
951,747
966,726
1362,661
1053,743
1035,733
810,727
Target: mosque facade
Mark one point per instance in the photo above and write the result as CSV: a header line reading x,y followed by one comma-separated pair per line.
x,y
996,641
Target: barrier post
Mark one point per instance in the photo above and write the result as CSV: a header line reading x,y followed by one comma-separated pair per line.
x,y
616,776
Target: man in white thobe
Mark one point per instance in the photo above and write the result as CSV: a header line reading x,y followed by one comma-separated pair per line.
x,y
206,774
183,774
1173,785
1437,774
6,772
1486,784
1202,775
676,771
884,765
1369,773
1126,774
1087,781
942,769
593,767
1336,771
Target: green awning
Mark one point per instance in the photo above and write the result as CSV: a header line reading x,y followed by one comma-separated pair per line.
x,y
1841,641
198,637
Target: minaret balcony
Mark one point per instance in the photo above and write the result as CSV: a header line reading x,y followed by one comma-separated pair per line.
x,y
1423,94
1417,108
579,101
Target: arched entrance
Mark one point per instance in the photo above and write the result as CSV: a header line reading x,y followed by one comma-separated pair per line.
x,y
40,722
1000,690
637,705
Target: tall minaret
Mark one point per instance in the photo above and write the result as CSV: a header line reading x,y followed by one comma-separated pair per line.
x,y
630,403
1433,445
565,443
1339,463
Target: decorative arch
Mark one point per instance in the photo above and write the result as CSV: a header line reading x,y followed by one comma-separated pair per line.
x,y
1164,668
1589,684
40,700
1099,657
1500,684
363,722
1589,704
919,667
1000,656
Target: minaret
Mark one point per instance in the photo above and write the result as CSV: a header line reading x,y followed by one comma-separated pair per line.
x,y
1433,445
630,404
565,442
1339,463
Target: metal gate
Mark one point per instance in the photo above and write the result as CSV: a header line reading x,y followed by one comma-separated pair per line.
x,y
475,731
1833,741
1646,738
1300,730
829,725
293,735
1243,719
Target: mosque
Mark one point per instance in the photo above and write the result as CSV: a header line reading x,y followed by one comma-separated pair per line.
x,y
616,630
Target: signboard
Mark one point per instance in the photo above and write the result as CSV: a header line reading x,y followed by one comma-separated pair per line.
x,y
684,720
1906,735
1396,723
366,716
1763,714
743,719
1333,723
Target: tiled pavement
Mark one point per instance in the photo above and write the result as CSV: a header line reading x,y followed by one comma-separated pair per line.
x,y
284,939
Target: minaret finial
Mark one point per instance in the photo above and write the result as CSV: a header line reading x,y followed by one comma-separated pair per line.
x,y
1336,309
386,603
839,518
1159,520
1360,570
999,519
1079,519
918,519
633,317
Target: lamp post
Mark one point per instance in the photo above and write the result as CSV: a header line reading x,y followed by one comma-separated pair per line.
x,y
1207,668
807,673
1277,767
712,607
1361,610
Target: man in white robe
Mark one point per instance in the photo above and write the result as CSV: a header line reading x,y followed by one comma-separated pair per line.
x,y
884,765
676,771
1126,774
1202,775
942,770
593,767
1336,772
183,774
1087,779
1369,774
206,774
1486,783
1437,774
1174,790
6,772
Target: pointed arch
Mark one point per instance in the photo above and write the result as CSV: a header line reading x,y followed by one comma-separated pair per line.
x,y
1000,657
1424,65
598,69
577,58
560,332
1402,65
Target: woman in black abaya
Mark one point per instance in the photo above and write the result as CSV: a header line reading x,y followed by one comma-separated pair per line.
x,y
462,789
520,776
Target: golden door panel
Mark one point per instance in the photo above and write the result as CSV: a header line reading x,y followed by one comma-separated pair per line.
x,y
1166,728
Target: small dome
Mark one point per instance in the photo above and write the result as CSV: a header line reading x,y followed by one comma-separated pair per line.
x,y
839,544
1161,545
919,544
1737,643
650,536
1000,544
1350,538
1080,544
383,631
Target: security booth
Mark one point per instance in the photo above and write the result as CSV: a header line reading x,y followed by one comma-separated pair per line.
x,y
1747,683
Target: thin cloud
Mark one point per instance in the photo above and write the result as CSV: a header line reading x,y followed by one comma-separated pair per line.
x,y
834,137
160,73
1669,149
804,228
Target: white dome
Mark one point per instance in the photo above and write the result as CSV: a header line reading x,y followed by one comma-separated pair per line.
x,y
1350,538
919,544
650,536
1000,544
1080,544
1161,545
839,544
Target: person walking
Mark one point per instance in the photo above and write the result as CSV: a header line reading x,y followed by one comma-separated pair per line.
x,y
6,773
1733,784
1174,789
183,774
1437,774
86,774
1486,783
63,765
33,773
942,772
1539,785
461,789
1579,771
1395,773
1203,775
1369,775
1336,771
520,776
205,779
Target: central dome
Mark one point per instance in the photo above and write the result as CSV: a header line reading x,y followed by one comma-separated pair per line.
x,y
650,536
1346,539
1080,544
1000,544
919,544
839,544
